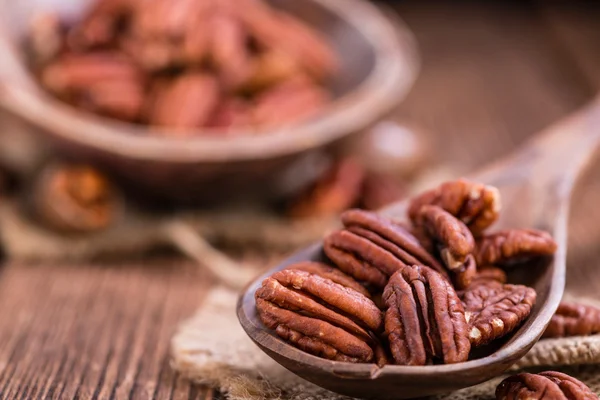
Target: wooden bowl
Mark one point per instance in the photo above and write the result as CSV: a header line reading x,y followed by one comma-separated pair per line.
x,y
379,64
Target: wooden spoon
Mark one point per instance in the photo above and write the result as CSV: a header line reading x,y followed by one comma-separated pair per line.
x,y
536,184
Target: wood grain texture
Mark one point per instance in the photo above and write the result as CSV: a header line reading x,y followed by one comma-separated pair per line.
x,y
95,332
493,74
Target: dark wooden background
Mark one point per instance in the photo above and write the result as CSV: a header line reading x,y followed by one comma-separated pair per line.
x,y
493,74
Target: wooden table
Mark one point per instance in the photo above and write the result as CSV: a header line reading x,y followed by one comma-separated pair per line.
x,y
493,74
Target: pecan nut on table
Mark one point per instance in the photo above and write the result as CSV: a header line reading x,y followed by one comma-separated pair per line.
x,y
549,385
226,65
408,294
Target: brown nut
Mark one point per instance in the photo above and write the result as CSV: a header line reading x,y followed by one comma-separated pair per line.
x,y
476,205
380,190
186,102
122,99
270,68
288,102
228,51
336,191
74,73
75,199
319,316
513,246
424,319
231,113
572,319
489,273
275,30
329,272
549,385
372,248
453,239
493,310
101,25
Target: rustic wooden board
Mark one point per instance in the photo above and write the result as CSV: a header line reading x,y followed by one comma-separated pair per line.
x,y
493,74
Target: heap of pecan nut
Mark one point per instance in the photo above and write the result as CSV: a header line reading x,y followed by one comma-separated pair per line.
x,y
438,284
185,64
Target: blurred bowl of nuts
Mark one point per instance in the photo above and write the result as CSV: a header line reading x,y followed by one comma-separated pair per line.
x,y
202,99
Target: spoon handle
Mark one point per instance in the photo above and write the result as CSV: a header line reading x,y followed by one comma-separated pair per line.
x,y
555,157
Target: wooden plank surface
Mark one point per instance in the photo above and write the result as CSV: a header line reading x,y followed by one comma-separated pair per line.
x,y
493,74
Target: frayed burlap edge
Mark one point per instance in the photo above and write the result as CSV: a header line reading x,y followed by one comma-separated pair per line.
x,y
211,348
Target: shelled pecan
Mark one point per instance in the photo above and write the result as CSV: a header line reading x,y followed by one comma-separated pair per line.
x,y
334,274
476,205
186,102
372,248
549,385
319,315
337,190
493,309
489,273
453,240
75,198
513,245
288,102
102,24
74,73
572,319
424,319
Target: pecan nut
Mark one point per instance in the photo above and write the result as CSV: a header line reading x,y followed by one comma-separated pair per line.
x,y
476,205
493,310
372,248
337,190
334,274
288,102
489,273
75,199
454,240
74,73
513,246
424,319
186,102
572,319
319,315
549,385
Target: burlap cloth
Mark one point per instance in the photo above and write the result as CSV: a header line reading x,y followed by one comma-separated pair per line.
x,y
211,348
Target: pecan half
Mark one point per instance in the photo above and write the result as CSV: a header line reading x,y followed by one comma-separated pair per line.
x,y
572,319
186,102
489,274
372,248
275,30
319,316
493,310
288,102
453,239
228,51
476,205
75,199
270,68
513,245
337,190
329,272
74,73
424,319
101,25
549,385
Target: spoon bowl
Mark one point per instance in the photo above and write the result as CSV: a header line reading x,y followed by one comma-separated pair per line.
x,y
535,184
